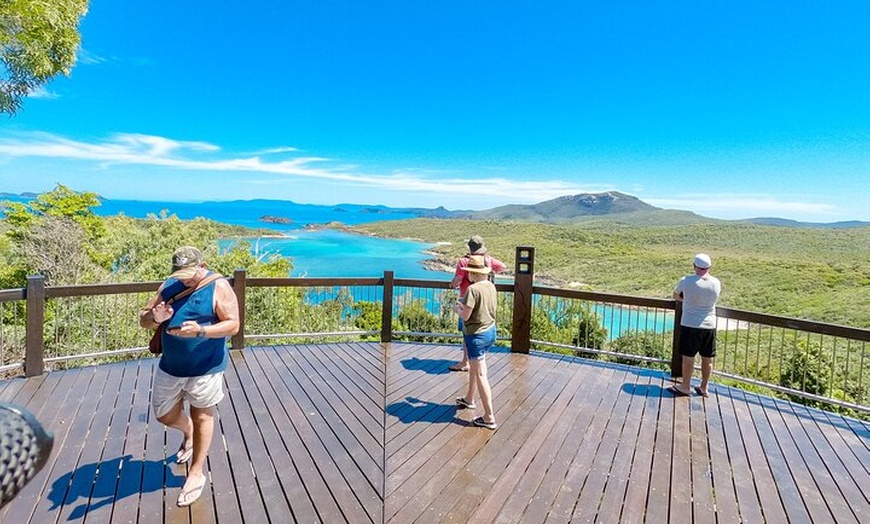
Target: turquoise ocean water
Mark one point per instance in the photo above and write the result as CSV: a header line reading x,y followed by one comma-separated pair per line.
x,y
323,253
329,253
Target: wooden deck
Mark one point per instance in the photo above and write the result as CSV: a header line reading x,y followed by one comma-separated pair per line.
x,y
355,433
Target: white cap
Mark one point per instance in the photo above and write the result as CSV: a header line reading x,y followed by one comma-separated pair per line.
x,y
702,260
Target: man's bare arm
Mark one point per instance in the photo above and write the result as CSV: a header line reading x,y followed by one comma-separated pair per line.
x,y
226,308
146,315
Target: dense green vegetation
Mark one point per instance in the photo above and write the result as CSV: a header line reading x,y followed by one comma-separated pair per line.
x,y
817,274
38,40
59,236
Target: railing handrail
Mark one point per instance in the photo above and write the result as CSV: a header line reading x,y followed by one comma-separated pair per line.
x,y
523,290
810,326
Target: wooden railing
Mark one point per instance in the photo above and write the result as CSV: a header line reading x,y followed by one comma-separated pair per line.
x,y
821,362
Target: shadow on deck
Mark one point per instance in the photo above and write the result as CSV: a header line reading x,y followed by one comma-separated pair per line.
x,y
354,433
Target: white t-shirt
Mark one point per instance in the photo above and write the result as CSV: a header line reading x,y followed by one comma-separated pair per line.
x,y
699,300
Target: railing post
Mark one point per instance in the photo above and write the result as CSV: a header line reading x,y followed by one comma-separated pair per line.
x,y
521,333
239,284
676,357
387,309
34,363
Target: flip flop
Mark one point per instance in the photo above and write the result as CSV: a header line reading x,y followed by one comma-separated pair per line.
x,y
183,455
676,392
479,422
186,498
457,367
461,403
700,391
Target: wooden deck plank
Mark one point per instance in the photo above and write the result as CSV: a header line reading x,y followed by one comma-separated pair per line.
x,y
292,419
722,471
367,361
419,491
405,363
11,387
790,441
680,484
263,444
587,507
530,465
233,414
431,399
701,492
339,470
363,393
105,483
488,465
46,411
434,404
579,440
284,448
786,485
363,431
132,459
437,441
342,435
609,510
634,505
566,503
834,470
824,488
855,440
772,507
659,498
76,502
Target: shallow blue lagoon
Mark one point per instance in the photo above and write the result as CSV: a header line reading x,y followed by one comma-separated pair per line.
x,y
329,253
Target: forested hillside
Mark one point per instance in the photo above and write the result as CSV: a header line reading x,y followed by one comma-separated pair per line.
x,y
818,274
58,235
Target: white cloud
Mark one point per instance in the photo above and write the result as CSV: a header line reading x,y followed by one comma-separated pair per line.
x,y
86,57
276,151
730,205
149,150
42,92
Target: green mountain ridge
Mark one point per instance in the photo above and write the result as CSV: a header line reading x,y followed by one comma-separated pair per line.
x,y
611,206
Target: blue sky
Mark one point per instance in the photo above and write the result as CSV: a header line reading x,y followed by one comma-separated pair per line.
x,y
729,109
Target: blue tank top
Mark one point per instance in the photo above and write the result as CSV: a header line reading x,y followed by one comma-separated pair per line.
x,y
192,357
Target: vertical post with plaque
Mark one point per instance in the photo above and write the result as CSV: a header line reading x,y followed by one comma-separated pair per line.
x,y
521,332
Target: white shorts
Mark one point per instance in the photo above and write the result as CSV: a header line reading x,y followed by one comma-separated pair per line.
x,y
200,392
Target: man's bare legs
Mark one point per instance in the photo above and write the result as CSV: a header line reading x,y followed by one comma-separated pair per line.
x,y
203,429
706,372
178,419
198,430
479,382
685,385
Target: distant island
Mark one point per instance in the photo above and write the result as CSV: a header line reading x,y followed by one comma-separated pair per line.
x,y
275,220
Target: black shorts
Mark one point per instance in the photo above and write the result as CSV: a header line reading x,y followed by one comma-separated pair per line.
x,y
697,340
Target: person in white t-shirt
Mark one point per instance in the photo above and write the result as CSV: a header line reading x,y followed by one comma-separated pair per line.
x,y
698,292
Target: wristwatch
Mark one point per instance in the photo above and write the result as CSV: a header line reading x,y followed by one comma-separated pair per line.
x,y
201,333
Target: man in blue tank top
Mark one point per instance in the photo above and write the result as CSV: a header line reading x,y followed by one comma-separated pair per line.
x,y
194,357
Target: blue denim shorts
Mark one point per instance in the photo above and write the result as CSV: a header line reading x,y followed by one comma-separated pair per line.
x,y
479,343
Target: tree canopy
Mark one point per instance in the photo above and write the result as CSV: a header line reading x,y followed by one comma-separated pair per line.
x,y
38,40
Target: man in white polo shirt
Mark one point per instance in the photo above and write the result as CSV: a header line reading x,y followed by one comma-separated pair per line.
x,y
698,293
